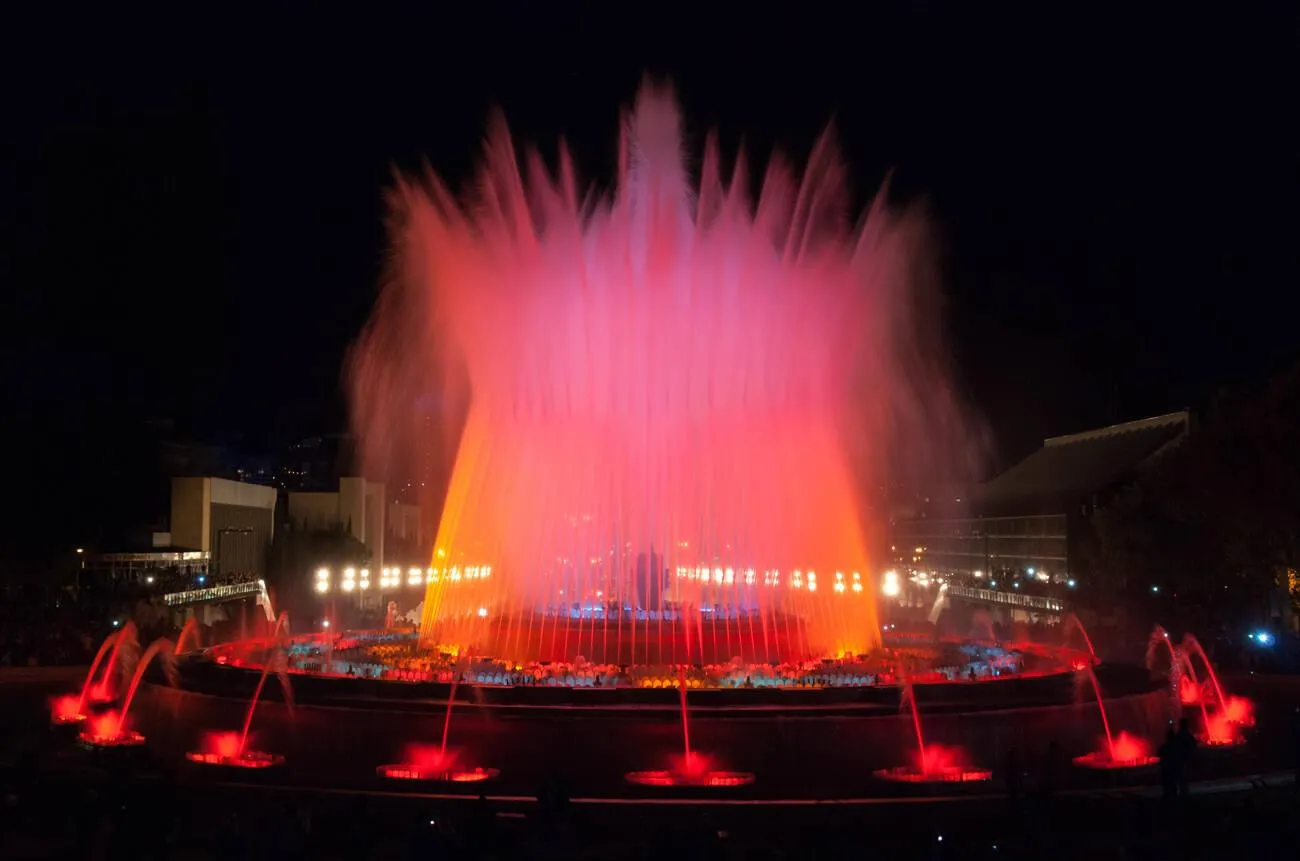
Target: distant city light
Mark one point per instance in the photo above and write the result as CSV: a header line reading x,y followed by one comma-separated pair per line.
x,y
81,550
1070,583
322,586
202,579
1155,590
149,579
482,611
1264,638
324,623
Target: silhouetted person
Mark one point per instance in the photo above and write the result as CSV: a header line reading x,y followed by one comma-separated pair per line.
x,y
1186,747
1169,754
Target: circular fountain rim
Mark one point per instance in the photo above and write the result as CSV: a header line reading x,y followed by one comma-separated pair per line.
x,y
413,773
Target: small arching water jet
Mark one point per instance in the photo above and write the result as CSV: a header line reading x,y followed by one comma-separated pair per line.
x,y
68,710
230,749
109,729
934,763
424,762
1120,751
1182,675
1223,728
693,769
1072,622
192,630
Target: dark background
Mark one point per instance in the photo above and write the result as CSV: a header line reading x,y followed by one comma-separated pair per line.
x,y
193,196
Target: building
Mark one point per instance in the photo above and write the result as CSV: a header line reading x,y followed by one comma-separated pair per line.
x,y
1026,522
388,530
232,521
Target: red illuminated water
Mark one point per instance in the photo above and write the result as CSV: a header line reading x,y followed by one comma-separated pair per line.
x,y
156,648
933,763
1101,708
1123,751
908,700
1072,621
227,749
1181,672
657,406
190,629
273,657
114,642
1193,647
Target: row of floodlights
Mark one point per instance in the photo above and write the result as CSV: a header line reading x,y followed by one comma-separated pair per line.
x,y
358,579
797,579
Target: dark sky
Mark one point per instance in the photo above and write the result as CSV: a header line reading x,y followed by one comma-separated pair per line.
x,y
194,203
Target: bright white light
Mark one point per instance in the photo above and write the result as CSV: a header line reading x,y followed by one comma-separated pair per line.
x,y
349,573
324,623
323,587
322,573
1070,583
890,587
349,585
1155,590
149,579
482,611
1264,638
1031,572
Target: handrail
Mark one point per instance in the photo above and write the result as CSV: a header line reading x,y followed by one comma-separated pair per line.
x,y
214,593
1036,602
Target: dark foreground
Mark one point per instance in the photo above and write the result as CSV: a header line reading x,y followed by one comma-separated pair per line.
x,y
97,818
59,804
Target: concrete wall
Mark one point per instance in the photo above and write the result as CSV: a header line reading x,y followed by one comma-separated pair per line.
x,y
191,520
357,507
204,508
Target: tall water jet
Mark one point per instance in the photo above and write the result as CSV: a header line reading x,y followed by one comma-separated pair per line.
x,y
109,729
662,402
1186,688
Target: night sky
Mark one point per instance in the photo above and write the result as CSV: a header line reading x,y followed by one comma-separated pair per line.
x,y
194,205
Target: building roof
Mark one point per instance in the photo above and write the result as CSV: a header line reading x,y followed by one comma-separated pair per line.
x,y
1068,468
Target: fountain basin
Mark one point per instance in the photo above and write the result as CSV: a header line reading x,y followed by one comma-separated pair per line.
x,y
1100,760
247,759
952,774
123,739
702,779
411,771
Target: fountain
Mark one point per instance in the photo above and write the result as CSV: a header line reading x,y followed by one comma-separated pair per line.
x,y
109,729
230,750
1182,675
1234,710
693,769
190,629
652,404
69,710
1120,751
934,763
438,764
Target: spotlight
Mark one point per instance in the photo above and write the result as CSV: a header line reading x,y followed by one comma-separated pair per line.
x,y
322,573
323,586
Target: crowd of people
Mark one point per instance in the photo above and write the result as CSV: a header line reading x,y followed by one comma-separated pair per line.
x,y
401,657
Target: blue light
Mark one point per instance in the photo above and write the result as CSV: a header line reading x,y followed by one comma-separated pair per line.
x,y
1070,583
202,579
1264,638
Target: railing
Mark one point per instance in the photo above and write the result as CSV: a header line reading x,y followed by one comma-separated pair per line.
x,y
1011,599
215,593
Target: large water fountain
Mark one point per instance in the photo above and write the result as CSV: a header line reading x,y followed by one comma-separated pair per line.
x,y
665,403
673,395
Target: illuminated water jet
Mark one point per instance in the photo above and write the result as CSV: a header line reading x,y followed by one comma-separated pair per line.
x,y
109,729
934,763
670,396
69,710
692,769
